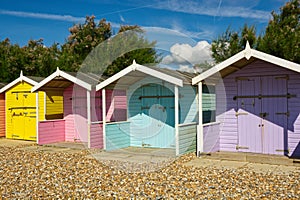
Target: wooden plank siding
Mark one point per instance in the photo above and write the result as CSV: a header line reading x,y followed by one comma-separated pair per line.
x,y
2,115
117,135
51,131
211,138
21,111
187,138
226,107
116,110
187,104
54,105
96,135
75,113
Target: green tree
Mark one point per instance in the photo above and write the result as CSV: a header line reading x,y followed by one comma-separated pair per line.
x,y
282,35
82,40
130,46
232,42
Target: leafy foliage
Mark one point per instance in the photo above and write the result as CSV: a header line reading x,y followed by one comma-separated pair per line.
x,y
232,42
36,59
282,36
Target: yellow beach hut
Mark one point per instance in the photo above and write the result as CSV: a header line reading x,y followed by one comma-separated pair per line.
x,y
21,108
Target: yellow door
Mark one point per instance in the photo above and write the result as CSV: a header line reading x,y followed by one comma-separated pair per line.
x,y
30,124
17,125
29,116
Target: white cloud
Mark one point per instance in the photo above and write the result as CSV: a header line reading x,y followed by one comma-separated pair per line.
x,y
67,18
122,18
185,54
212,9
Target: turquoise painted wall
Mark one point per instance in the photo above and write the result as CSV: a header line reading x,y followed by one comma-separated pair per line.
x,y
117,135
187,138
188,104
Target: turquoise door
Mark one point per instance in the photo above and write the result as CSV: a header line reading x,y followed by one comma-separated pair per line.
x,y
157,110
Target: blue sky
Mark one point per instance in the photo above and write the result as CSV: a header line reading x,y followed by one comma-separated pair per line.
x,y
167,21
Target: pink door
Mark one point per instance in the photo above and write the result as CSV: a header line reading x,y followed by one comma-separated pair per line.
x,y
262,114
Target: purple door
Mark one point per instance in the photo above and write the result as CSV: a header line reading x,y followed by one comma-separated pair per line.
x,y
274,114
248,115
262,114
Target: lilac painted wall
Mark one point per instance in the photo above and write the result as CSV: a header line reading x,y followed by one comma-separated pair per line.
x,y
211,138
51,131
227,107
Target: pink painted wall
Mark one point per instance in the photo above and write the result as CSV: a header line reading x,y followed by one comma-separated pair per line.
x,y
96,135
75,114
51,131
116,110
120,105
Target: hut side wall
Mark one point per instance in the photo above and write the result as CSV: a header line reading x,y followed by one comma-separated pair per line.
x,y
187,138
188,110
211,137
2,115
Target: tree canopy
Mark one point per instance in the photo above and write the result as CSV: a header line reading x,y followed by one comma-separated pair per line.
x,y
281,37
38,60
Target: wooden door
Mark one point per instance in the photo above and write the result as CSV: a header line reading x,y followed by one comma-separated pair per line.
x,y
157,106
274,114
249,130
262,114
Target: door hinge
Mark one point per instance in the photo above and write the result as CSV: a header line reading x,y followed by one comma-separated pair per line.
x,y
283,113
241,147
240,113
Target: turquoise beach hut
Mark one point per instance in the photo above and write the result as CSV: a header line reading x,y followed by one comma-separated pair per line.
x,y
161,109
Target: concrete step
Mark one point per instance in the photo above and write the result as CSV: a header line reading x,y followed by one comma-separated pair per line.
x,y
255,158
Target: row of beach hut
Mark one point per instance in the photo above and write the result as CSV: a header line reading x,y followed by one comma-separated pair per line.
x,y
248,103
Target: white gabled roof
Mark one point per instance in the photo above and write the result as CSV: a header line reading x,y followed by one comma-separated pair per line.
x,y
18,80
59,73
247,53
141,68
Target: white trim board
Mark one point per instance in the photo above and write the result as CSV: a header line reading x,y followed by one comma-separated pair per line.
x,y
59,73
18,80
141,68
247,53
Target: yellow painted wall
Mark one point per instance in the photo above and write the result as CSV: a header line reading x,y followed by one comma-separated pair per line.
x,y
54,104
21,111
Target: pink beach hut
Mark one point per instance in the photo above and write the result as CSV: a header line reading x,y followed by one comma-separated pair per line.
x,y
81,117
